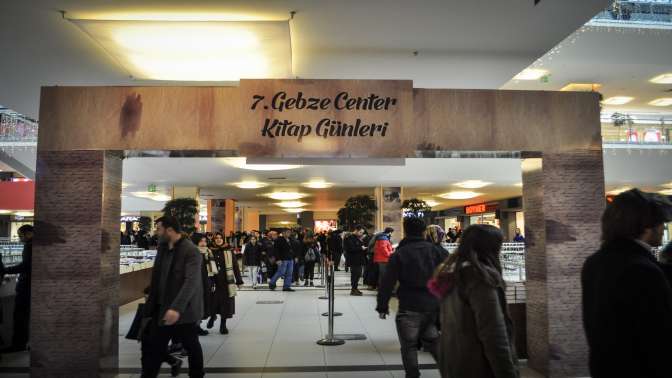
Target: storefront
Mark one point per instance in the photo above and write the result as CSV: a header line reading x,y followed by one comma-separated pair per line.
x,y
483,213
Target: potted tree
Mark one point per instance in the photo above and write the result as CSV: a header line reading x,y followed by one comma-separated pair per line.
x,y
185,210
358,210
415,207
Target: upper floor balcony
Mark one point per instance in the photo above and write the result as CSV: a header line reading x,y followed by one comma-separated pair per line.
x,y
637,13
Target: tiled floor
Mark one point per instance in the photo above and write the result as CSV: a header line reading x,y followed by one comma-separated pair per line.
x,y
276,336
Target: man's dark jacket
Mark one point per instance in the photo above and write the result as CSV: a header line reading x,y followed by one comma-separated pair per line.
x,y
23,269
283,249
176,283
412,265
354,254
627,312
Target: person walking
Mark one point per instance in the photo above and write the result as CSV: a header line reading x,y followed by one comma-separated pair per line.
x,y
208,273
627,300
335,246
299,251
227,280
21,317
174,305
382,251
355,255
285,262
476,330
310,259
411,266
253,256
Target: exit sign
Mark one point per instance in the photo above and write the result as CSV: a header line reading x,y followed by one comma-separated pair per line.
x,y
151,188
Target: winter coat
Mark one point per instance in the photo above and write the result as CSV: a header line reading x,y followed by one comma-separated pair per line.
x,y
382,249
252,255
627,312
222,303
355,255
283,249
477,332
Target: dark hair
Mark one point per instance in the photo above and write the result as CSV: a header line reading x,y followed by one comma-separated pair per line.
x,y
196,238
388,230
25,228
480,246
632,212
414,226
358,227
170,222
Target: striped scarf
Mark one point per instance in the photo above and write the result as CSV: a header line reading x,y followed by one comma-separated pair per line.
x,y
230,278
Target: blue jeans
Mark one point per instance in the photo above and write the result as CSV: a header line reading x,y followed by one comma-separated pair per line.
x,y
413,327
285,270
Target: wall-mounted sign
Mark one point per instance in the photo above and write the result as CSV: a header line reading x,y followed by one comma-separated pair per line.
x,y
129,219
480,208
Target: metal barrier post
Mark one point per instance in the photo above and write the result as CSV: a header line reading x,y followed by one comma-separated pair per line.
x,y
329,339
325,282
331,283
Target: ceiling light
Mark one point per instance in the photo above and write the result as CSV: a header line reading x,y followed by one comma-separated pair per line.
x,y
432,203
665,101
531,74
195,50
318,184
459,195
581,87
125,185
617,100
250,184
618,191
154,196
294,210
665,78
667,192
472,184
24,213
241,163
290,204
286,196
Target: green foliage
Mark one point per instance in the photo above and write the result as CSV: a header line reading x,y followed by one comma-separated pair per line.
x,y
415,207
184,209
357,210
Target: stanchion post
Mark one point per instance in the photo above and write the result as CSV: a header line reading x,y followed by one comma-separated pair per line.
x,y
325,282
329,339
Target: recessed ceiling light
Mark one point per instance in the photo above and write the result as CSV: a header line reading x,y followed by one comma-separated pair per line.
x,y
154,196
290,204
318,184
431,203
665,101
667,192
531,74
294,210
286,196
458,195
241,163
617,100
250,184
472,184
581,87
618,191
195,50
665,78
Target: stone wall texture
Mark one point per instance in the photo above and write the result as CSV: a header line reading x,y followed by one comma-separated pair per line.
x,y
74,319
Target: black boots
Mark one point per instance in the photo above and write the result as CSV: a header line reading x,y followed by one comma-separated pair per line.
x,y
211,321
222,327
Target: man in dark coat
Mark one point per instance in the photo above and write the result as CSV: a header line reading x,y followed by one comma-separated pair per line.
x,y
355,254
627,300
22,299
335,247
285,262
175,303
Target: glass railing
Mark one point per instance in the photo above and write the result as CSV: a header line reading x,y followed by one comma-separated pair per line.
x,y
637,12
15,127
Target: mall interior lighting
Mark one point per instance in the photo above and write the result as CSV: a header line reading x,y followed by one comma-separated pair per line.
x,y
5,211
581,87
294,210
317,184
617,100
286,196
531,74
518,184
250,184
472,184
665,101
241,163
459,195
195,50
154,196
665,78
289,204
666,192
432,203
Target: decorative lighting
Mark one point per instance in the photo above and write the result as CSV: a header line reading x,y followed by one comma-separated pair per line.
x,y
250,184
472,184
195,50
617,100
286,196
290,204
581,87
618,191
241,163
518,184
318,184
665,101
531,74
459,195
294,210
665,78
154,196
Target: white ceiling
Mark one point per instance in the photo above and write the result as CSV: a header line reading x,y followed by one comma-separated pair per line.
x,y
460,44
622,59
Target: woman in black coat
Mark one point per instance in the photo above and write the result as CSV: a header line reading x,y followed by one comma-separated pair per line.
x,y
223,298
252,257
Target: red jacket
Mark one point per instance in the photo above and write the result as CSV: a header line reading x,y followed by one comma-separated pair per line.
x,y
382,250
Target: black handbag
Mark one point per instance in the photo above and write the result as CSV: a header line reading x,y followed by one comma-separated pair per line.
x,y
136,327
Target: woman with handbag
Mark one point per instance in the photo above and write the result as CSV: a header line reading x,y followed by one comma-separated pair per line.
x,y
227,280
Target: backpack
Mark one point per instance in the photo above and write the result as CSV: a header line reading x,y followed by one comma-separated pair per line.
x,y
310,255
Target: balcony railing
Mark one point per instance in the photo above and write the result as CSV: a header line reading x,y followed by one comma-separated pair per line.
x,y
16,128
652,12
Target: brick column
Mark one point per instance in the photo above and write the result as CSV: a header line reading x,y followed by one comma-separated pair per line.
x,y
75,287
563,199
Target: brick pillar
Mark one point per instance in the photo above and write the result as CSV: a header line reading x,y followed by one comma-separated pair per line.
x,y
74,319
563,199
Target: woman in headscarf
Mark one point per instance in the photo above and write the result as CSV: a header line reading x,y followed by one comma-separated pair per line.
x,y
435,234
227,280
208,272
